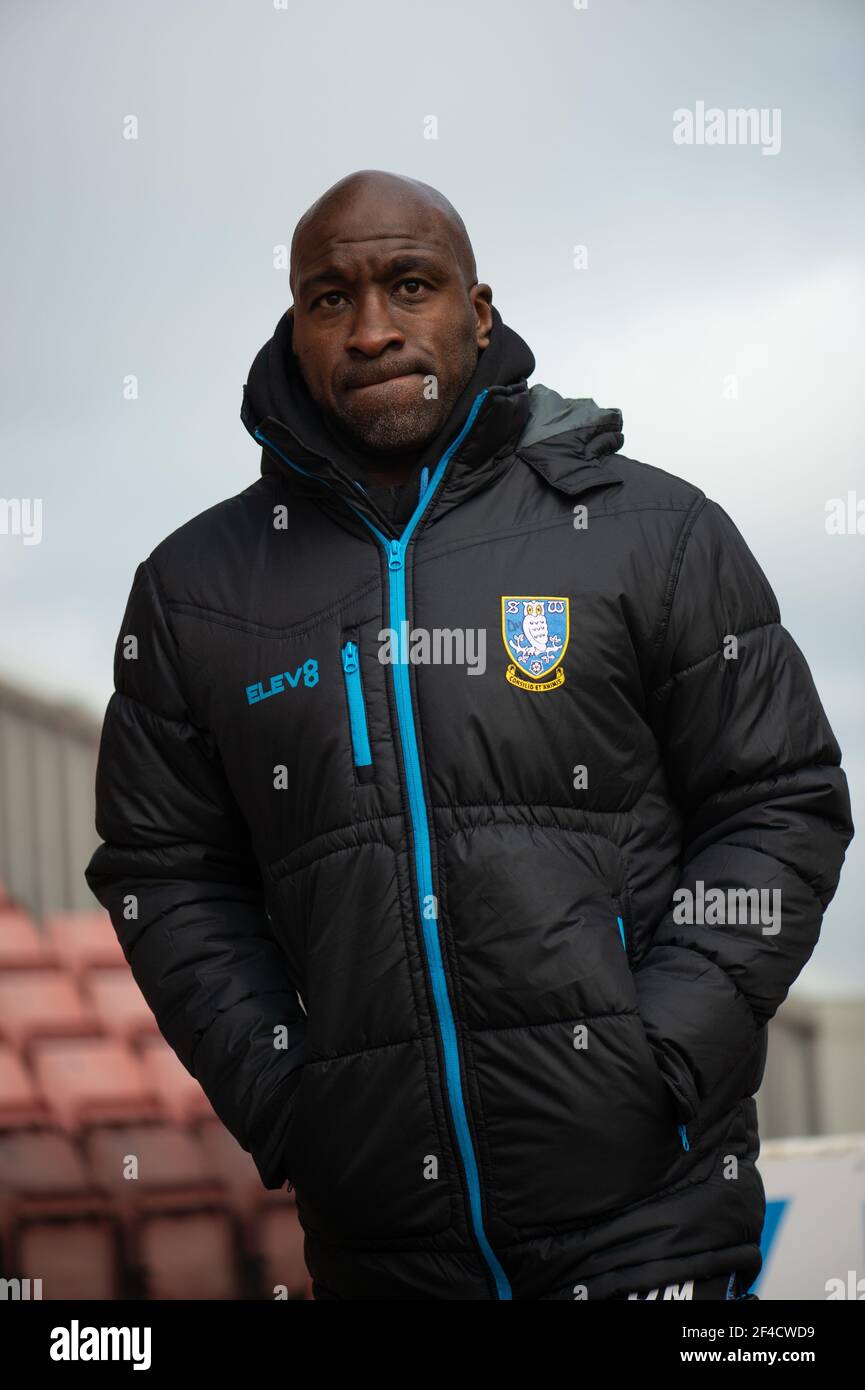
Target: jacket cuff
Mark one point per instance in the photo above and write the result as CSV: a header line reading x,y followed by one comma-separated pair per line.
x,y
267,1140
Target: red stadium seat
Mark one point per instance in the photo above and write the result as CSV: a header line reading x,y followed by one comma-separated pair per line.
x,y
159,1179
42,1004
43,1165
75,1259
84,939
22,946
20,1102
42,1162
118,1003
272,1240
89,1081
234,1166
180,1094
190,1256
159,1163
52,1214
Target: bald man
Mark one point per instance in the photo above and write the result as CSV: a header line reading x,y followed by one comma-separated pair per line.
x,y
467,811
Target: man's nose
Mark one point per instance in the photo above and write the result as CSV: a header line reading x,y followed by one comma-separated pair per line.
x,y
373,328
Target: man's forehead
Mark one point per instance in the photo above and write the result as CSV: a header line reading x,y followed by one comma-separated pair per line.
x,y
354,236
356,243
372,212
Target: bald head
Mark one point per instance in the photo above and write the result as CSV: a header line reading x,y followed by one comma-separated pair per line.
x,y
347,201
388,317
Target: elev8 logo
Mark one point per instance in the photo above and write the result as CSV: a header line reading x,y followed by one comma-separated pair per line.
x,y
282,681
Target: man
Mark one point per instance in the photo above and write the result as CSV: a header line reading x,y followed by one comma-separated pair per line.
x,y
475,944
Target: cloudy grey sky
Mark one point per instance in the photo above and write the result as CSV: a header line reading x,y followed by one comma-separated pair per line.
x,y
721,306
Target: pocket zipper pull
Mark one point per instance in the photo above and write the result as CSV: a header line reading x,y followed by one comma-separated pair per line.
x,y
350,656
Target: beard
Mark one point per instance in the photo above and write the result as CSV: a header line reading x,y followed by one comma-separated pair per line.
x,y
401,430
404,425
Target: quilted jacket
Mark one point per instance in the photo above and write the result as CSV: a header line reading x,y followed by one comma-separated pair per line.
x,y
464,850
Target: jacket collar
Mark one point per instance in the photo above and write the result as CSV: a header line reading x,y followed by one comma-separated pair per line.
x,y
298,443
496,419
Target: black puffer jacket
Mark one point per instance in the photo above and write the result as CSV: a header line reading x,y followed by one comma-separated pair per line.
x,y
413,925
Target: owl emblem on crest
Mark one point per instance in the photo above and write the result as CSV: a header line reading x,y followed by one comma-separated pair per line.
x,y
536,631
535,625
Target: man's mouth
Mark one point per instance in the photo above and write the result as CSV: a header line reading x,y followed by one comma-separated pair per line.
x,y
388,381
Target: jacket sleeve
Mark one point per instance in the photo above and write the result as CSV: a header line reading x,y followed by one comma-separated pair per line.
x,y
755,770
179,879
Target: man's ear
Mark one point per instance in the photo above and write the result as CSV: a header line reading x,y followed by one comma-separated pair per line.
x,y
482,298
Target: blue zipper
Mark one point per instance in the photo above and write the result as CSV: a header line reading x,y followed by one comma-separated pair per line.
x,y
396,552
356,706
622,932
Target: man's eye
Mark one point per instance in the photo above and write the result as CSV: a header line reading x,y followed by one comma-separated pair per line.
x,y
331,298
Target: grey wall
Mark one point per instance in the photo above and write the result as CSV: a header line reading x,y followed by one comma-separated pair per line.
x,y
47,767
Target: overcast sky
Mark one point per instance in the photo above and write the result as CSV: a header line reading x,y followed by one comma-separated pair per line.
x,y
721,308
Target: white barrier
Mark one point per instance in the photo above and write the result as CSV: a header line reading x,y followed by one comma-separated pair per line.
x,y
814,1236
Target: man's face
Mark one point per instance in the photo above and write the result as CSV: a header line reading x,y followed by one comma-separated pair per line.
x,y
381,306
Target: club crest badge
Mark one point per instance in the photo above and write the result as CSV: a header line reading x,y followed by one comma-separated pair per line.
x,y
536,633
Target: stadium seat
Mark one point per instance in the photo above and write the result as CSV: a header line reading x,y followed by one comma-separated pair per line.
x,y
169,1164
74,1258
44,1167
86,1082
190,1256
234,1166
89,1081
180,1094
272,1241
52,1214
118,1003
84,939
173,1183
42,1004
22,946
20,1101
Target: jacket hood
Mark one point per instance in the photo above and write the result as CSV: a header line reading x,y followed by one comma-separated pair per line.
x,y
297,441
275,389
599,430
567,440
